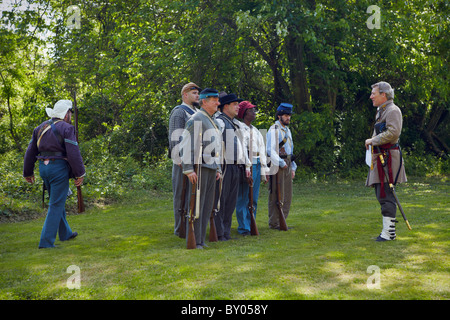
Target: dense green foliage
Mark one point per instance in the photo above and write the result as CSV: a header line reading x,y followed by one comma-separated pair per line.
x,y
126,61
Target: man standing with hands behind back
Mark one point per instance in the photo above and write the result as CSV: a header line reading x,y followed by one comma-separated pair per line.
x,y
388,126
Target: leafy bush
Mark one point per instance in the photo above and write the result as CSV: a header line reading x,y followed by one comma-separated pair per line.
x,y
108,179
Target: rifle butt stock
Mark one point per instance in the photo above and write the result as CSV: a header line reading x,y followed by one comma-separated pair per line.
x,y
80,200
182,210
253,227
212,228
282,219
191,241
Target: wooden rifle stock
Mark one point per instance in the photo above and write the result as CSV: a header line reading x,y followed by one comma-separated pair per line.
x,y
212,224
253,228
182,209
283,225
79,193
80,200
251,209
191,242
212,227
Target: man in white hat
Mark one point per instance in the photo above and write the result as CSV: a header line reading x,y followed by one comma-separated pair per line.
x,y
54,144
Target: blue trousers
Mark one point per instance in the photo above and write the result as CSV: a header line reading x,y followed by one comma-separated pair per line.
x,y
56,178
242,210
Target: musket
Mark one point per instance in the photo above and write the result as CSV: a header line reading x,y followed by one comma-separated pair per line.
x,y
182,209
191,242
199,177
194,205
283,225
212,225
391,186
79,193
251,208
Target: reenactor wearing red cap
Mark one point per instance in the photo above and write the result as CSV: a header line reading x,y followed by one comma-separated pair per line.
x,y
253,143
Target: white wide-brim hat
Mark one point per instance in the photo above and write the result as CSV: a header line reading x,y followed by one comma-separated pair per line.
x,y
60,109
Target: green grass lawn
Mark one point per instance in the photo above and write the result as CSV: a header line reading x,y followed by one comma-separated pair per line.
x,y
128,251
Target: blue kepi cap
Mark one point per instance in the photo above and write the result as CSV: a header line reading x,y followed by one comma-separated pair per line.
x,y
284,108
208,92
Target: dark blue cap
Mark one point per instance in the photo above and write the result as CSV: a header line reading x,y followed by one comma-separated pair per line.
x,y
208,92
284,108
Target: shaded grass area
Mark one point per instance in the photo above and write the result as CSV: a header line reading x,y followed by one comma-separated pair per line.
x,y
128,251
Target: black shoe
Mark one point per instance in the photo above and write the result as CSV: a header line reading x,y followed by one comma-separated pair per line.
x,y
380,239
73,236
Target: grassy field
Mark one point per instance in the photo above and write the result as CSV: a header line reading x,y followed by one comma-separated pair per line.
x,y
128,251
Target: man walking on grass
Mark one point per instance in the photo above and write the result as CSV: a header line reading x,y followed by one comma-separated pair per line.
x,y
55,145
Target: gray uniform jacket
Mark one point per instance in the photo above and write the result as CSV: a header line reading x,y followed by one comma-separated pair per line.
x,y
177,122
390,114
201,129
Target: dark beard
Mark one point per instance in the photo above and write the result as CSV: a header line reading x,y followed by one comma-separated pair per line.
x,y
195,104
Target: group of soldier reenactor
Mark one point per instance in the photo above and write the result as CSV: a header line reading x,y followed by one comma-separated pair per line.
x,y
226,159
218,164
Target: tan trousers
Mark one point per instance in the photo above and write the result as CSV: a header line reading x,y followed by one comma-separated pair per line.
x,y
285,181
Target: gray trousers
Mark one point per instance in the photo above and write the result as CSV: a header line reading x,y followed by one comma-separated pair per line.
x,y
177,187
208,187
285,179
228,199
388,204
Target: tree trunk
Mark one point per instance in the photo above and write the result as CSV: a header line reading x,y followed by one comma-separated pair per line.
x,y
430,136
11,126
297,71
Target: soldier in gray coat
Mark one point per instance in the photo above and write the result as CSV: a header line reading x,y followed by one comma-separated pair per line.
x,y
177,121
385,138
202,133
